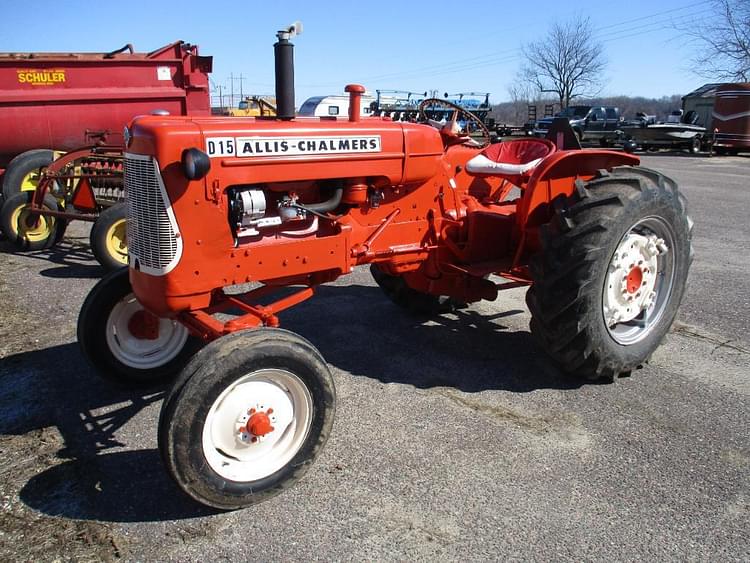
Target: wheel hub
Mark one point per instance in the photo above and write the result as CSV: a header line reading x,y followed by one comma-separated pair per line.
x,y
632,277
143,325
256,425
141,340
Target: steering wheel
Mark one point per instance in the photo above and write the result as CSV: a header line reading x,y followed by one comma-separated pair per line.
x,y
474,132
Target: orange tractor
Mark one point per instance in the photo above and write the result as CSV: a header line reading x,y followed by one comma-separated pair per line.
x,y
231,221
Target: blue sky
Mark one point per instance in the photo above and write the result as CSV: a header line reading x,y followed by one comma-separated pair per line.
x,y
417,45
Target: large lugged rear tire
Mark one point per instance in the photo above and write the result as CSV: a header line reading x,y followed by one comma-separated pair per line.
x,y
124,342
611,272
408,298
247,417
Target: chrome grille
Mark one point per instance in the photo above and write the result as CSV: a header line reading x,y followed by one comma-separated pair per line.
x,y
153,243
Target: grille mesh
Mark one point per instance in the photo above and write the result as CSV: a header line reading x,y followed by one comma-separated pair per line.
x,y
150,233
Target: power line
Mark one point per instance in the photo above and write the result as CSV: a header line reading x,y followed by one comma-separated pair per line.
x,y
492,59
704,3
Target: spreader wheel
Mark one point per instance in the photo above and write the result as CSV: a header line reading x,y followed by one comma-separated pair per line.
x,y
24,171
124,342
247,417
28,230
108,240
416,302
611,272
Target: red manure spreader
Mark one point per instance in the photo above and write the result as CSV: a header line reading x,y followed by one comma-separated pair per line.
x,y
285,204
62,117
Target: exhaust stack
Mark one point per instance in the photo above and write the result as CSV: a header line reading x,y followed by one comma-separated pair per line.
x,y
284,60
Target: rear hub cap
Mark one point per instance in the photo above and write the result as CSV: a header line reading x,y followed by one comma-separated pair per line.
x,y
639,281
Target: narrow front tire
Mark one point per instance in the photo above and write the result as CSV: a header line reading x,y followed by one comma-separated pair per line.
x,y
247,418
125,343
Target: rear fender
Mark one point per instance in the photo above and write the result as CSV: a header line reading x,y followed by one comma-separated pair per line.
x,y
556,176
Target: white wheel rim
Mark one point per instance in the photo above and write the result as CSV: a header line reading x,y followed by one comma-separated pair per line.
x,y
142,353
639,281
232,450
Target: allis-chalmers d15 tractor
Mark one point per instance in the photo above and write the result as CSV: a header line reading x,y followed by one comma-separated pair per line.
x,y
290,203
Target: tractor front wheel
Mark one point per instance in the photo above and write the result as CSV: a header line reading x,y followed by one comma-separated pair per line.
x,y
108,241
29,230
611,272
247,417
125,343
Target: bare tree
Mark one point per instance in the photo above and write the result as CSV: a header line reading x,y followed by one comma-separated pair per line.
x,y
567,61
724,41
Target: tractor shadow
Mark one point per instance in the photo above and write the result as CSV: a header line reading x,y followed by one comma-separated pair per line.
x,y
56,412
357,329
64,421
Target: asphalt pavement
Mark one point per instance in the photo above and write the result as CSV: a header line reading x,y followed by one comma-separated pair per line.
x,y
454,438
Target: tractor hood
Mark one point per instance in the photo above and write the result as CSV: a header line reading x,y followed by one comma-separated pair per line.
x,y
269,150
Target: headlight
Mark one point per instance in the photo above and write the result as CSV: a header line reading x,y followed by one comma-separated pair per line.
x,y
195,164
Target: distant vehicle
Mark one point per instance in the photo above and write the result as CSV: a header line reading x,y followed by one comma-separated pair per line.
x,y
589,123
731,118
333,106
678,131
255,106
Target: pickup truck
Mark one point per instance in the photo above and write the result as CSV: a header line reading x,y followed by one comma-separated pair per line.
x,y
589,123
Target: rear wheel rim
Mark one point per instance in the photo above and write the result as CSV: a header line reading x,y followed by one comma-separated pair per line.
x,y
117,246
639,281
142,353
230,447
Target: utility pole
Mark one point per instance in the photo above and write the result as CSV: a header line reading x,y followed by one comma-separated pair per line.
x,y
231,89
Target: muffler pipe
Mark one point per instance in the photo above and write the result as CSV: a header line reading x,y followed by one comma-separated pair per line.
x,y
283,51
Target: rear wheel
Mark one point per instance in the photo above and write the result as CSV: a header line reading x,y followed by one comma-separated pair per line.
x,y
416,302
108,240
29,230
124,342
611,272
24,171
247,417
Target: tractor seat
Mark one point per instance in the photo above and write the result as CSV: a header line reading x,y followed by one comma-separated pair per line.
x,y
513,160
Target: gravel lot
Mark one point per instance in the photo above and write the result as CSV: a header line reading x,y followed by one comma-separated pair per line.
x,y
454,438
